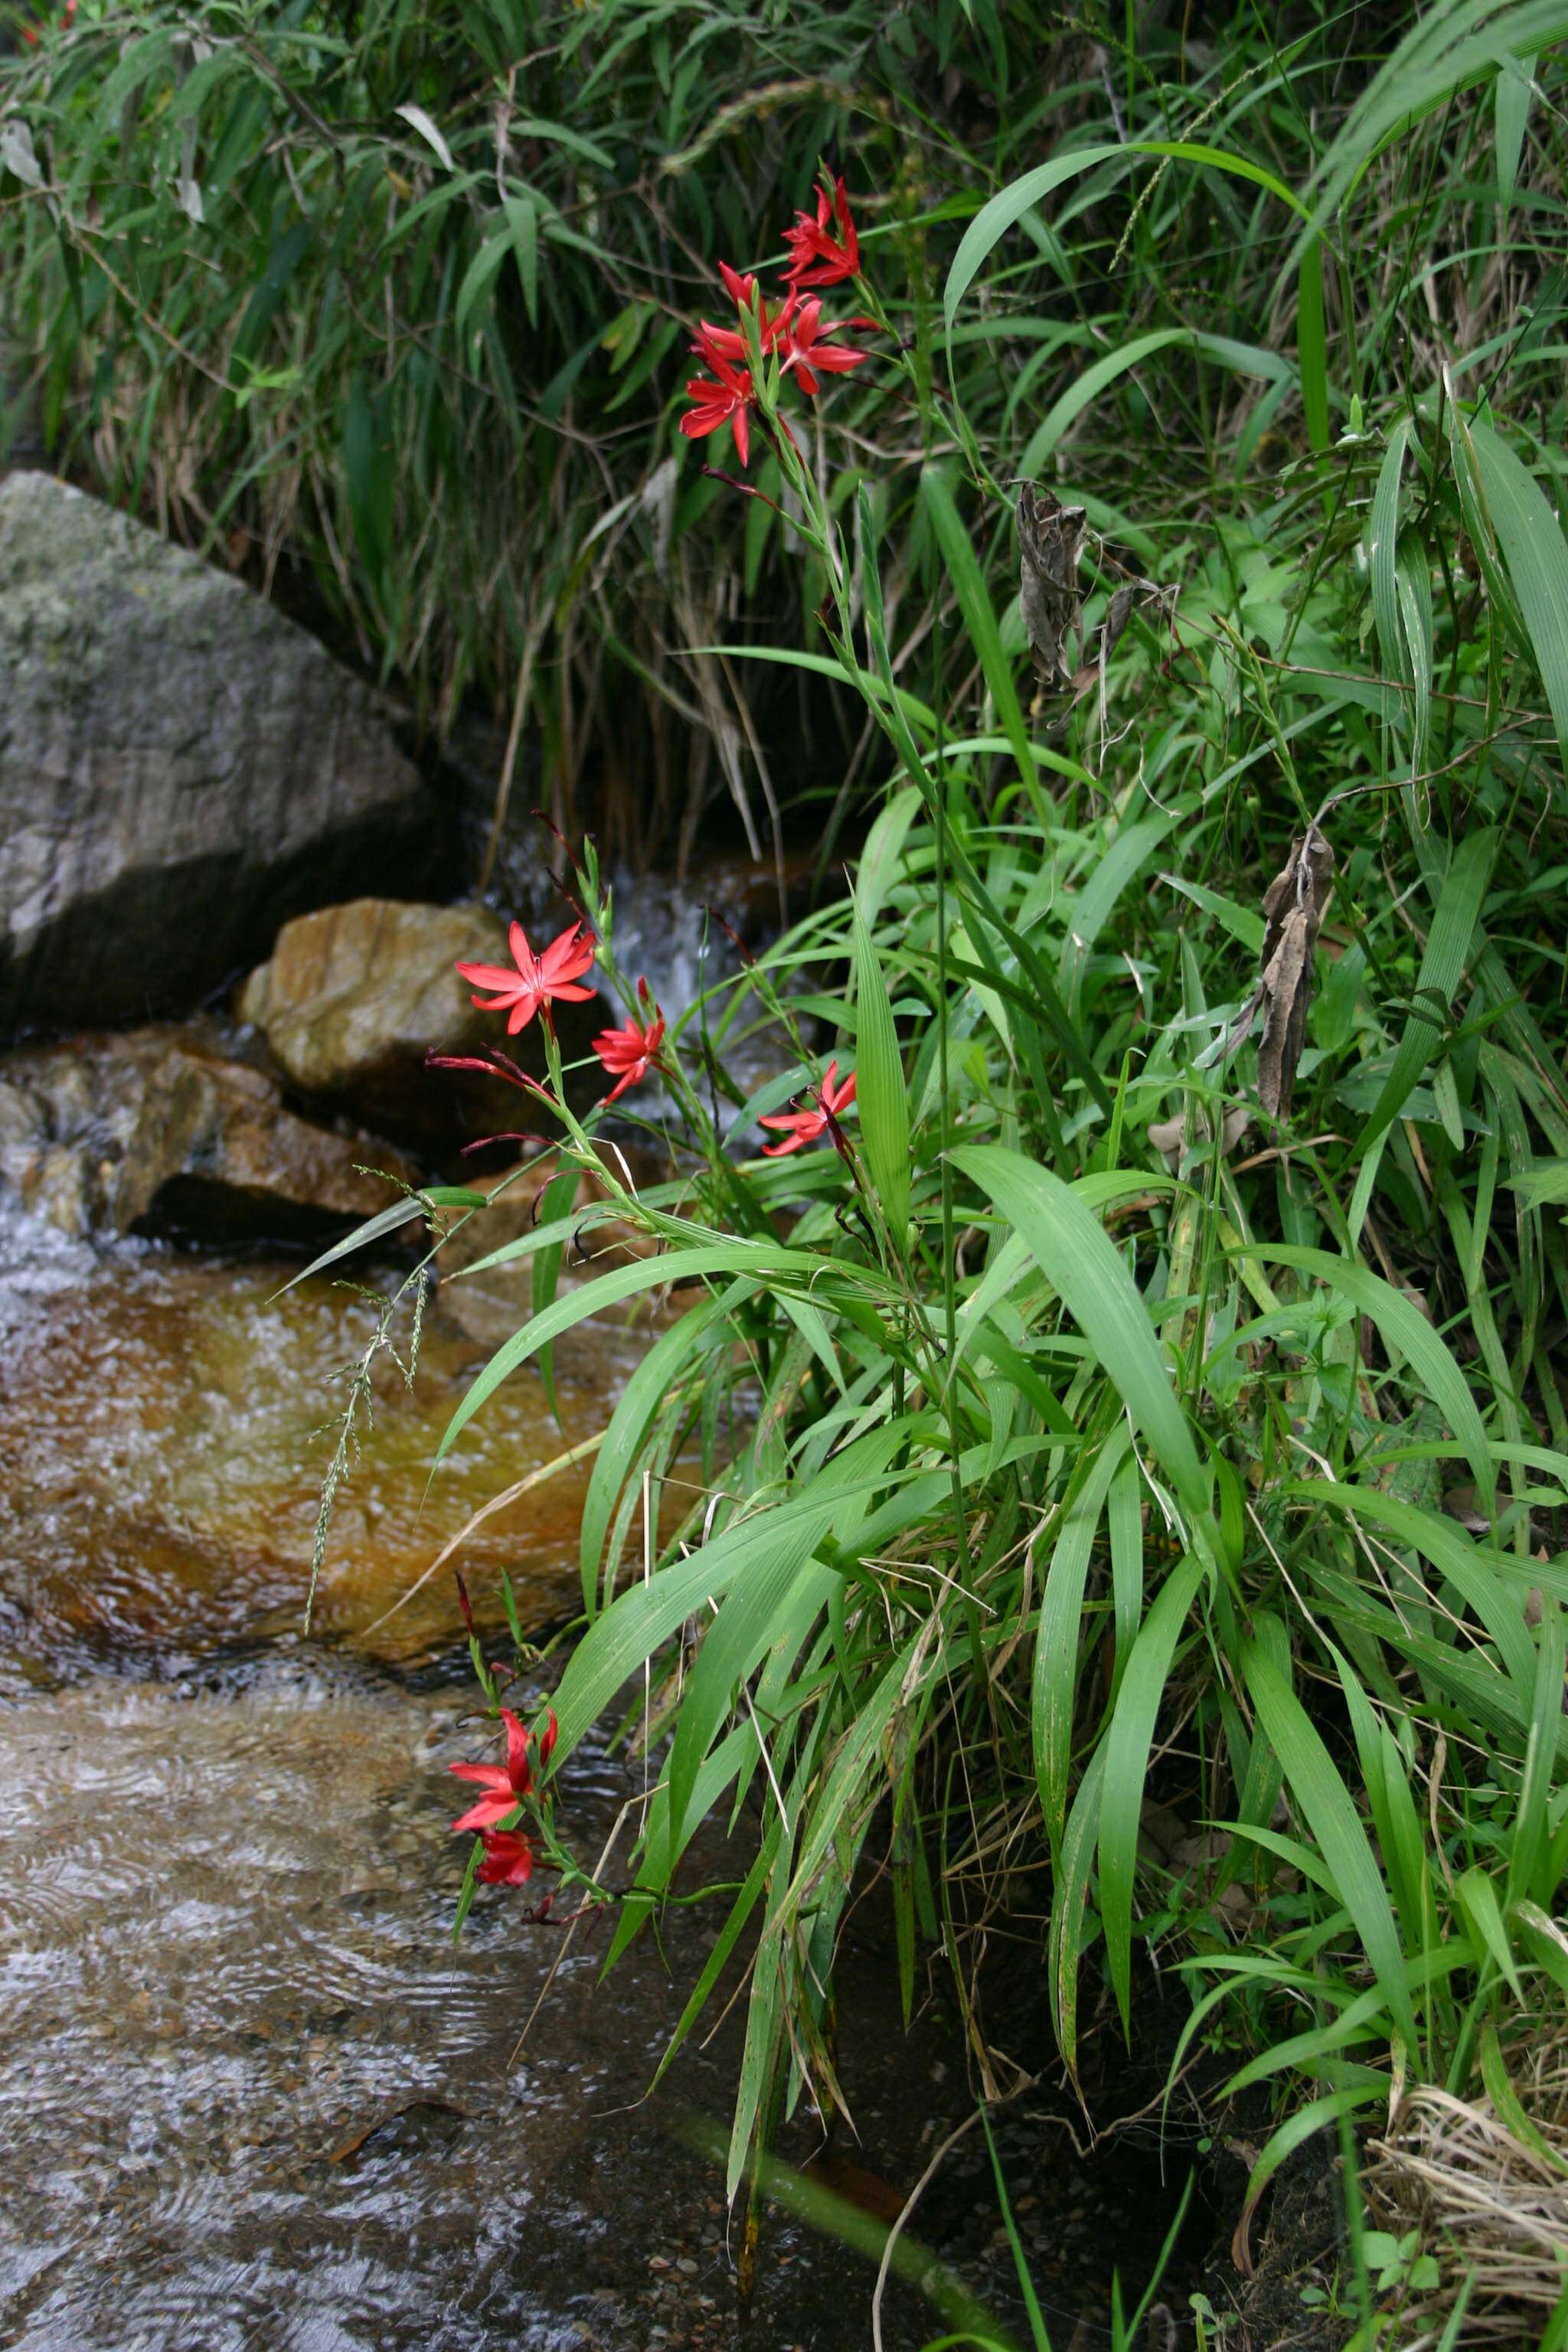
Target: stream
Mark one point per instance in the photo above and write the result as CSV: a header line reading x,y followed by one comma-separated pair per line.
x,y
252,2096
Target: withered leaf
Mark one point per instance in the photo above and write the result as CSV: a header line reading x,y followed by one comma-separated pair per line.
x,y
1168,1136
1293,907
1050,540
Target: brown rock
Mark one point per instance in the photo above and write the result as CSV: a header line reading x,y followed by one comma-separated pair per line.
x,y
356,998
159,1127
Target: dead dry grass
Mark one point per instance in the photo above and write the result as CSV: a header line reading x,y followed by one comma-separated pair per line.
x,y
1486,2184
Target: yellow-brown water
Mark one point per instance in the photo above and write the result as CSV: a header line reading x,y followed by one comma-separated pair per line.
x,y
162,1451
251,2098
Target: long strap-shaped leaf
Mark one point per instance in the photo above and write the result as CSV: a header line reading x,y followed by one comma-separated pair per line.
x,y
1330,1815
1127,1745
1079,1259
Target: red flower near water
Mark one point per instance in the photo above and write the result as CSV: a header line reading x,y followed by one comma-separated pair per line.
x,y
809,352
817,256
800,1128
509,1858
507,1785
628,1054
539,980
726,400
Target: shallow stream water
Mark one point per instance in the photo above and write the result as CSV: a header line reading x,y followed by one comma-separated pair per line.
x,y
250,2094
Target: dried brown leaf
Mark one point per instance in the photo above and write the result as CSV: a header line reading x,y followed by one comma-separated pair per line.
x,y
1050,540
1168,1136
1293,907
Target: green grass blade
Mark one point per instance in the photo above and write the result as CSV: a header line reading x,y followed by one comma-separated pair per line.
x,y
974,604
1331,1814
1127,1745
1079,1260
881,1093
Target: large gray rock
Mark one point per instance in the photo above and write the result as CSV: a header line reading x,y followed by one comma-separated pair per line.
x,y
180,769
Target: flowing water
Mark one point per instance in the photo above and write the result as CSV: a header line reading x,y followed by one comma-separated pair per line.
x,y
250,2093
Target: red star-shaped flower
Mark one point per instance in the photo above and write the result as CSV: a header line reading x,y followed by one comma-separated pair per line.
x,y
818,256
630,1051
809,352
800,1128
725,401
539,980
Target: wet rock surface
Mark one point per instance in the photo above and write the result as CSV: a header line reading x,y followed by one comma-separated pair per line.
x,y
353,997
167,1424
181,767
113,1132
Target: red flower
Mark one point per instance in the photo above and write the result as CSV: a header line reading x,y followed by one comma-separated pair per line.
x,y
507,1786
716,343
817,257
725,402
509,1858
808,350
800,1128
630,1053
539,980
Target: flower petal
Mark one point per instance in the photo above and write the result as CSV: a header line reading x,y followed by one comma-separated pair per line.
x,y
488,1810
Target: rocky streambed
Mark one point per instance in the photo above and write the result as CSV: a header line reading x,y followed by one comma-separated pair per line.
x,y
250,2093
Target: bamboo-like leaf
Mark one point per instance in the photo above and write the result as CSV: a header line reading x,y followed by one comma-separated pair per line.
x,y
1078,1258
1127,1744
993,219
1404,1327
1329,1812
736,1257
881,1093
975,604
1055,1686
1536,553
1515,86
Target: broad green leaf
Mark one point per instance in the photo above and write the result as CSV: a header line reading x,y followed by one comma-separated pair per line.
x,y
1079,1260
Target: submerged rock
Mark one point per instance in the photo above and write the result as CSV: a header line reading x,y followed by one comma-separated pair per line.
x,y
157,1129
355,996
180,769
